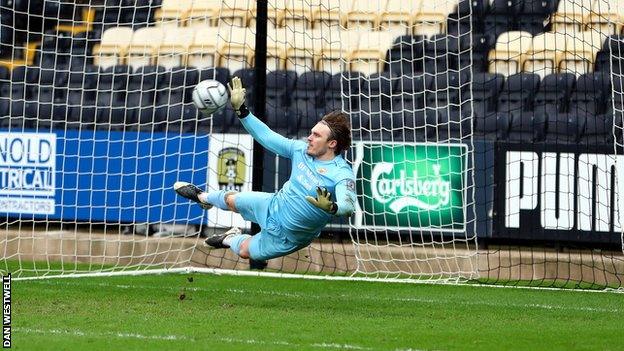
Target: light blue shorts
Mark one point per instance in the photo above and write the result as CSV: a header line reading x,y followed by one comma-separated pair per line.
x,y
272,241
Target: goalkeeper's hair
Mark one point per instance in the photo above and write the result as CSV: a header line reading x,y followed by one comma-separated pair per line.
x,y
340,126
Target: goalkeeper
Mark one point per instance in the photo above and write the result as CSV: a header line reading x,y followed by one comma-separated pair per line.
x,y
291,218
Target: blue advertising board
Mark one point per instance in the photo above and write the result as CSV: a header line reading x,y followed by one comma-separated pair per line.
x,y
101,176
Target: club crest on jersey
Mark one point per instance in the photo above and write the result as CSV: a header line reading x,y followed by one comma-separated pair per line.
x,y
322,170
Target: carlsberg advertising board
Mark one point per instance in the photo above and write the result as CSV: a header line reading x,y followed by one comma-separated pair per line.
x,y
410,186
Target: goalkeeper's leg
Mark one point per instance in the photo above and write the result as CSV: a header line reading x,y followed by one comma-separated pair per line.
x,y
205,199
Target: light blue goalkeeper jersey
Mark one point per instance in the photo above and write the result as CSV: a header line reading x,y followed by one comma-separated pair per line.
x,y
289,206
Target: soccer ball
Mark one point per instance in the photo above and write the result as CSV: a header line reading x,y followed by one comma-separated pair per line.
x,y
209,96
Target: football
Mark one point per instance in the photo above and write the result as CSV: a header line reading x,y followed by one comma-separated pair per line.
x,y
209,96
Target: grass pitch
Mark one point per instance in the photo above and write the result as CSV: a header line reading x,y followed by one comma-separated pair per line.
x,y
254,313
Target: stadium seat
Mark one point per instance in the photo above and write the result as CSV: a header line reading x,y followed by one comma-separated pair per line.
x,y
554,92
279,86
171,52
382,85
481,45
142,49
431,18
589,94
365,15
172,13
485,89
399,15
570,16
277,120
581,51
418,125
278,42
507,56
453,125
446,90
304,48
370,55
606,17
564,128
598,130
201,53
518,92
298,15
533,17
332,96
332,53
545,53
444,52
415,89
406,56
310,86
611,44
329,13
236,13
113,46
523,128
203,13
501,16
237,51
467,17
493,126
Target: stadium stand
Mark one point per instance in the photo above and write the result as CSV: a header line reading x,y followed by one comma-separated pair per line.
x,y
521,62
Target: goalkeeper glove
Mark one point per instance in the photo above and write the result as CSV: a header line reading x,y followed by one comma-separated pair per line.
x,y
323,200
237,97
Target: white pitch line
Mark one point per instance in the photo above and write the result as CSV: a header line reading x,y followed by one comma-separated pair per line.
x,y
80,333
351,297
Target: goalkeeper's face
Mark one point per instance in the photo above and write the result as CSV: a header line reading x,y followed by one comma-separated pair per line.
x,y
319,144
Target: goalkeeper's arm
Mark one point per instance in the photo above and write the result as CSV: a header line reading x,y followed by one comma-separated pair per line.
x,y
272,141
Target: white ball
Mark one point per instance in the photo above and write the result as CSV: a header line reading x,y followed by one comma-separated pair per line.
x,y
209,96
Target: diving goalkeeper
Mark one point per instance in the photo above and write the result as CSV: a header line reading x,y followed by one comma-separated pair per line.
x,y
291,218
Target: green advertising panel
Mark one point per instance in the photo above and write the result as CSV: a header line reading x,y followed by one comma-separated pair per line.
x,y
411,186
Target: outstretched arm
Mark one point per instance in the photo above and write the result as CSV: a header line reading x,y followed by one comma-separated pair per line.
x,y
270,140
266,137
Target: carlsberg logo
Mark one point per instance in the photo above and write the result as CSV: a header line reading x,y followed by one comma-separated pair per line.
x,y
405,190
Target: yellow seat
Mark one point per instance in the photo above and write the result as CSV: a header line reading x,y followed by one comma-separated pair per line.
x,y
431,19
370,55
365,14
545,53
334,54
400,15
570,16
581,51
203,13
330,14
298,15
278,41
237,51
174,47
142,49
172,13
113,46
201,52
305,48
606,17
236,13
507,56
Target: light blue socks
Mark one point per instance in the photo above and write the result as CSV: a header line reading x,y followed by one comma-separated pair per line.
x,y
216,198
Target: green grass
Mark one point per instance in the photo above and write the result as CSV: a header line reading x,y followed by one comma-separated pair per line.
x,y
252,313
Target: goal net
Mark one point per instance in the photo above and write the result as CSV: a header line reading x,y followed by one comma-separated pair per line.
x,y
490,120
